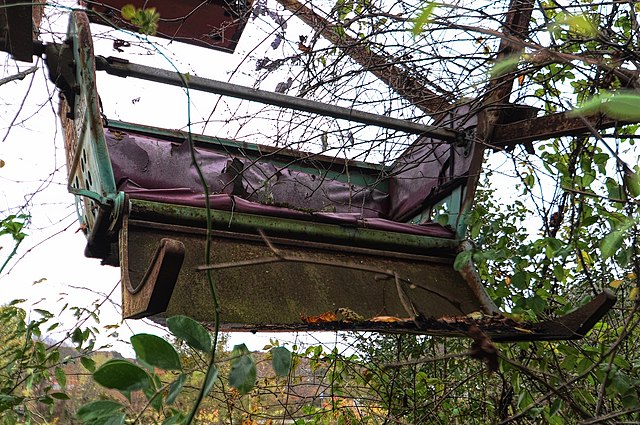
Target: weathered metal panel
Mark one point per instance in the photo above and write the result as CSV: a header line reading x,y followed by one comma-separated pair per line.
x,y
19,25
275,284
216,24
282,292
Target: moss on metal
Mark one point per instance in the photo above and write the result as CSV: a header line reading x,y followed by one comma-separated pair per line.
x,y
283,292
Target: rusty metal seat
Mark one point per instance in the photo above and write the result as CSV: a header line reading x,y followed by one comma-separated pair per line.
x,y
292,235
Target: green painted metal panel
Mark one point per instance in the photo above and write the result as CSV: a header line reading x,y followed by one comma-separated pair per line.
x,y
90,172
305,230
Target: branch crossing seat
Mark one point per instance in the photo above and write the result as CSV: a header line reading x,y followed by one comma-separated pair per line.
x,y
293,235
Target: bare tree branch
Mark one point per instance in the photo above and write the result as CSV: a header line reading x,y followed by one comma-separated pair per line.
x,y
380,66
18,76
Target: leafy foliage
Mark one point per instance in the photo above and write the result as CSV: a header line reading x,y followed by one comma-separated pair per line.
x,y
423,18
13,225
281,360
191,332
243,369
145,19
30,372
155,351
101,411
619,105
122,375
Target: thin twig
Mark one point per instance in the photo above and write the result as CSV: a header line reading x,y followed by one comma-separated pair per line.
x,y
608,416
561,394
22,103
404,298
18,76
628,327
594,195
422,360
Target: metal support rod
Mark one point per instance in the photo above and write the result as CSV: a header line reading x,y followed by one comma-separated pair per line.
x,y
123,68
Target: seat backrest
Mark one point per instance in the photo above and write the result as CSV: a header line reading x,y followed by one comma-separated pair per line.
x,y
162,166
429,170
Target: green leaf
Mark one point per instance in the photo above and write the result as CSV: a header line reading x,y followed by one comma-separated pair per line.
x,y
191,332
98,409
175,388
620,383
61,377
156,352
630,401
580,24
529,180
212,375
243,374
155,400
77,337
53,357
612,242
560,272
128,11
59,396
505,66
537,304
88,364
632,181
552,246
121,375
623,106
9,401
520,280
151,392
173,420
614,190
44,313
590,107
243,369
281,360
46,400
147,20
115,419
443,219
423,19
461,259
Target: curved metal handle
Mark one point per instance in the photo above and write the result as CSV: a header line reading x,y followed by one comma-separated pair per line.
x,y
152,293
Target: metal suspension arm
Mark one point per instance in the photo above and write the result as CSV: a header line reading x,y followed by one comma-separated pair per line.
x,y
124,68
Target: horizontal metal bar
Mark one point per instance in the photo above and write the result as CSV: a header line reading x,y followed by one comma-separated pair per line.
x,y
293,229
124,68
